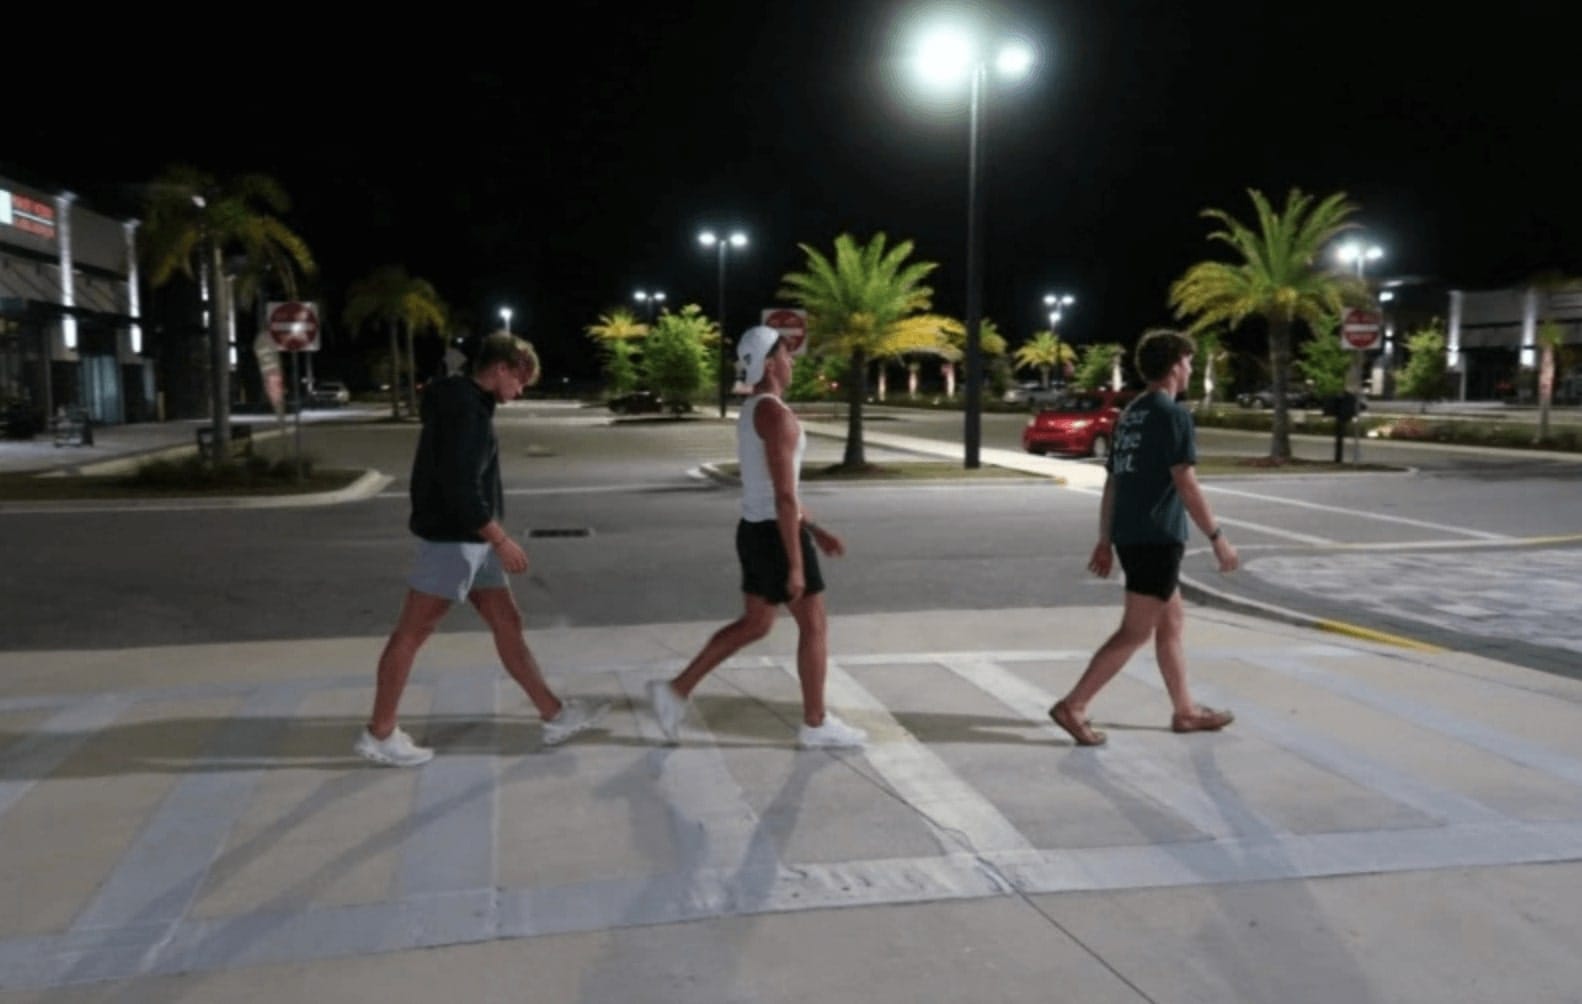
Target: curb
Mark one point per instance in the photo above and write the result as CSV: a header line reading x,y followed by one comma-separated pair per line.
x,y
368,484
1199,593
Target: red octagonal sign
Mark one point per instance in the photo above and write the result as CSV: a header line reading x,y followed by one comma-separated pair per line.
x,y
294,325
1361,329
792,325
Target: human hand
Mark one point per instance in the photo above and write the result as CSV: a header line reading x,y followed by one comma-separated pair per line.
x,y
512,557
1102,560
826,541
796,585
1226,555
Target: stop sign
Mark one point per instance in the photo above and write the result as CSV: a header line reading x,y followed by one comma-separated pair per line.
x,y
1361,329
792,325
294,326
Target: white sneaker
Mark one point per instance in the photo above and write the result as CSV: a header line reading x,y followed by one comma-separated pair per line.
x,y
576,715
395,750
832,734
669,708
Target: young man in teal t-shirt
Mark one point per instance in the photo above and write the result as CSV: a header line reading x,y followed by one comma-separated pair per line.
x,y
1150,491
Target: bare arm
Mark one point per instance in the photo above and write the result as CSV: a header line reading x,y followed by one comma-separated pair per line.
x,y
1103,559
511,554
777,427
1185,478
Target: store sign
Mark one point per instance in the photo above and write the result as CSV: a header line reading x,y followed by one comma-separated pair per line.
x,y
27,214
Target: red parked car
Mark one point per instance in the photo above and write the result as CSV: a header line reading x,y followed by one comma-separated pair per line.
x,y
1080,423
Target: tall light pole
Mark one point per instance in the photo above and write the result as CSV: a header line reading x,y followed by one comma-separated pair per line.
x,y
650,301
1057,304
505,315
1358,253
709,239
948,53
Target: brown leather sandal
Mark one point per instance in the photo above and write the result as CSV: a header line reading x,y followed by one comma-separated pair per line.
x,y
1202,719
1080,730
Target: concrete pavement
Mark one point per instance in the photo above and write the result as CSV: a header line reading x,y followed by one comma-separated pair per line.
x,y
1380,824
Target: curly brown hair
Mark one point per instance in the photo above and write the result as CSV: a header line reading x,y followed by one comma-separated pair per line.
x,y
1160,349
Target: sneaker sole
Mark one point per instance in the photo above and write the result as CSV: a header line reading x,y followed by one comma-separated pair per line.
x,y
380,760
580,728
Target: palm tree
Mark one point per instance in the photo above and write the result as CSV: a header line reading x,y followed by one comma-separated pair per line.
x,y
619,324
1548,284
191,221
1211,354
1278,278
1044,352
851,302
400,301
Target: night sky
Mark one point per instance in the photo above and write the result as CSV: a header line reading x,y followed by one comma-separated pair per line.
x,y
557,167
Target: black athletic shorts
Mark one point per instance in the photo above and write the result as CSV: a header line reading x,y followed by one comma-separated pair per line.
x,y
764,566
1151,569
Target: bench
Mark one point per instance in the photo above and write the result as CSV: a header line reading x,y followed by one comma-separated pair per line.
x,y
72,428
241,440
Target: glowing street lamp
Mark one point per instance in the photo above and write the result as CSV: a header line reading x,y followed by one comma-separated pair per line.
x,y
649,300
945,55
1358,253
505,315
738,240
1057,303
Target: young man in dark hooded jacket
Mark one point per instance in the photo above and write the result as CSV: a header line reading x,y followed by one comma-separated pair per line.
x,y
464,553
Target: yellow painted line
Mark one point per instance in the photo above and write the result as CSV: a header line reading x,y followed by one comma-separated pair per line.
x,y
1369,634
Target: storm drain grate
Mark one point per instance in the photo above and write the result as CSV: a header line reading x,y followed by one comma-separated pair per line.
x,y
561,531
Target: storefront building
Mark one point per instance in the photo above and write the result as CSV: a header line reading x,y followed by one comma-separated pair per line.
x,y
70,327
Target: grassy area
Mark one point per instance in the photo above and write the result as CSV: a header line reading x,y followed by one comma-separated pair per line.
x,y
903,470
190,478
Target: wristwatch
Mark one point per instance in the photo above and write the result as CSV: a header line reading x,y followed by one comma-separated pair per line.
x,y
1215,535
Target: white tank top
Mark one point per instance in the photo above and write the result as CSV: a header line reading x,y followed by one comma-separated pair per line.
x,y
758,488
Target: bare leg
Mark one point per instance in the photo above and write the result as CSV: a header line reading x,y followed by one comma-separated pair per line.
x,y
420,615
1171,655
812,654
1138,620
754,623
498,609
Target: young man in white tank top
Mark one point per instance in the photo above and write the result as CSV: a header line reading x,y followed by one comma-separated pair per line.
x,y
775,542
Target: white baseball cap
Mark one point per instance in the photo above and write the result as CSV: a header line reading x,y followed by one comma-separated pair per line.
x,y
753,350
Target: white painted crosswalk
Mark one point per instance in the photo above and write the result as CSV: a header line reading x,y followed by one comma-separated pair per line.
x,y
966,791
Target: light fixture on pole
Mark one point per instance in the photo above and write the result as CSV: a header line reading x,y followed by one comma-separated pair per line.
x,y
710,239
1057,303
1358,253
947,54
505,315
649,300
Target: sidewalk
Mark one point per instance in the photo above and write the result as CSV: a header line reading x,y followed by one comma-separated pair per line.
x,y
1377,825
187,823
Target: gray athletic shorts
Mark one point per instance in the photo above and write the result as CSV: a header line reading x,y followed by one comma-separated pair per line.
x,y
450,569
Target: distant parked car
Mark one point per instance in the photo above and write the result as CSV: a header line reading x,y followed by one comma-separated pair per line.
x,y
1078,423
1296,396
327,394
638,402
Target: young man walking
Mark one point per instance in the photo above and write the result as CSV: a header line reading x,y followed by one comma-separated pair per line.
x,y
464,553
775,543
1150,491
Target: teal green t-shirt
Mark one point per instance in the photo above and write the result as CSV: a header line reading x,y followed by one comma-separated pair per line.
x,y
1152,435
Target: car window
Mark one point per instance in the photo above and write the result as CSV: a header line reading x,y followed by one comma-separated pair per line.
x,y
1077,402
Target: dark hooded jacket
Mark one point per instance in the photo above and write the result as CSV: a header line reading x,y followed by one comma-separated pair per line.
x,y
456,474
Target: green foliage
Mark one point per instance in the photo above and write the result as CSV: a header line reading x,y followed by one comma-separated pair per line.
x,y
1423,377
1046,352
814,378
1097,365
1324,360
196,473
853,301
675,363
1277,275
620,368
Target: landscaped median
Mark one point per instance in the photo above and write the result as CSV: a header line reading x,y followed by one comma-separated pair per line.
x,y
187,478
1503,432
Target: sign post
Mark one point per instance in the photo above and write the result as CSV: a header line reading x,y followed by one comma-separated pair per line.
x,y
1361,330
294,326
